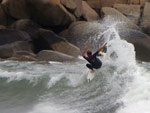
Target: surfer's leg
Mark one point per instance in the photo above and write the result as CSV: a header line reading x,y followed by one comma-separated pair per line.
x,y
98,65
90,67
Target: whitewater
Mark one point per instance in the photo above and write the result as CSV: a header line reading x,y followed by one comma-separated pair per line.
x,y
120,86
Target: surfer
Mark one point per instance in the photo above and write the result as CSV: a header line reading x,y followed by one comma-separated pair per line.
x,y
94,62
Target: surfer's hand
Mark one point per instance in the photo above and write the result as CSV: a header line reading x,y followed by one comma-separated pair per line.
x,y
86,47
105,44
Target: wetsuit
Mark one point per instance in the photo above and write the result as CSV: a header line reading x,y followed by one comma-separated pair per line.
x,y
94,61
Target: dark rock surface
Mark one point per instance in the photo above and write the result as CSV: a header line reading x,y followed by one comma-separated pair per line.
x,y
48,55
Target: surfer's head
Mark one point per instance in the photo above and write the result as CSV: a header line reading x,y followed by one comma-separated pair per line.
x,y
89,53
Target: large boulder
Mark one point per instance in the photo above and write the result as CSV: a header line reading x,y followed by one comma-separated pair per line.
x,y
48,55
49,12
88,13
81,33
110,3
8,36
74,6
49,40
119,17
23,56
136,1
132,12
3,17
96,4
44,12
141,43
28,26
8,50
16,8
145,24
142,48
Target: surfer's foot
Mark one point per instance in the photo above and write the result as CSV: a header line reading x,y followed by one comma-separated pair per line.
x,y
91,71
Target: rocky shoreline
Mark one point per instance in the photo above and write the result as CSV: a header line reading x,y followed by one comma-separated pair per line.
x,y
54,30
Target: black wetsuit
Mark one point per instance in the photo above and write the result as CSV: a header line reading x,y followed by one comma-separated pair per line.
x,y
94,61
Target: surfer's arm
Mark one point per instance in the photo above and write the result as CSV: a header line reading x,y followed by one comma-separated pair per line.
x,y
97,52
101,47
84,51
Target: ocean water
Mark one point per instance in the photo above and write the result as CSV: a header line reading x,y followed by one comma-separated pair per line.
x,y
120,86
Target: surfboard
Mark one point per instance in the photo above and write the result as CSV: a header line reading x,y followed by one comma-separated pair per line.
x,y
90,76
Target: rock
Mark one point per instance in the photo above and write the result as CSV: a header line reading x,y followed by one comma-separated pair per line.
x,y
16,8
2,27
23,56
49,13
119,18
26,53
145,24
136,1
3,17
21,46
96,4
8,36
130,34
44,12
49,40
141,43
142,48
48,55
132,12
81,33
88,13
8,50
28,26
64,33
110,3
27,58
74,6
45,39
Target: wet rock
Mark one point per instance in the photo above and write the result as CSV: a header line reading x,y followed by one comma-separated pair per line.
x,y
129,34
26,53
23,56
49,40
145,24
110,3
81,33
48,55
46,13
132,12
88,13
119,17
136,1
141,43
94,3
28,26
8,36
3,17
16,8
142,48
74,6
8,50
49,13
